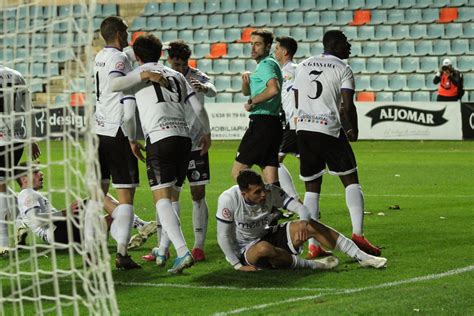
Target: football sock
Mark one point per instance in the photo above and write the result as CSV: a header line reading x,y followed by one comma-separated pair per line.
x,y
3,215
171,225
355,204
165,241
200,219
348,247
300,263
287,181
311,201
138,223
121,226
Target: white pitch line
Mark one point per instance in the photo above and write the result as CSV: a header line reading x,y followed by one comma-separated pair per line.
x,y
231,288
350,291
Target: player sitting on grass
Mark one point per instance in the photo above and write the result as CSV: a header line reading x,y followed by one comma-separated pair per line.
x,y
243,215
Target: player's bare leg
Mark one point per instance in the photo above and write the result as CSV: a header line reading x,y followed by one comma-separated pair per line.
x,y
237,167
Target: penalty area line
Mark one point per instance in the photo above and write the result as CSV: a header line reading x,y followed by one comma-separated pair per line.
x,y
428,277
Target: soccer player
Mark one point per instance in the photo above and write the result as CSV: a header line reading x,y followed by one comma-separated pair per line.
x,y
15,100
115,125
163,112
320,84
262,139
243,213
198,173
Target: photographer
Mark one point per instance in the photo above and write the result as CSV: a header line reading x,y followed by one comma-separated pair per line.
x,y
450,82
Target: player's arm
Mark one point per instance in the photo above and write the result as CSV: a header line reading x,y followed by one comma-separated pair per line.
x,y
204,85
246,83
130,125
350,114
122,83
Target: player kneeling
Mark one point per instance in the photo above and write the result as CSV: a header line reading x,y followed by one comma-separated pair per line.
x,y
244,212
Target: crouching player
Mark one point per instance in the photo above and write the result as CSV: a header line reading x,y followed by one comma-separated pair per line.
x,y
250,244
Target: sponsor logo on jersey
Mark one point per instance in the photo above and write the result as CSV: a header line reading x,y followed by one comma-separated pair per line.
x,y
120,66
395,113
226,213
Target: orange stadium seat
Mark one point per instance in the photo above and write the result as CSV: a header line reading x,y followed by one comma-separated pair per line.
x,y
447,15
192,63
135,35
218,50
361,17
365,96
77,99
246,35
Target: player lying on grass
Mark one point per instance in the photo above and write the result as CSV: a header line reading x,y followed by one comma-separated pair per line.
x,y
243,215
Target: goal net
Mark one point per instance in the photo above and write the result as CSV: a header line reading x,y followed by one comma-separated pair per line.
x,y
51,262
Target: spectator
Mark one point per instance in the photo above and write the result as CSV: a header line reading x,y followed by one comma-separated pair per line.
x,y
450,82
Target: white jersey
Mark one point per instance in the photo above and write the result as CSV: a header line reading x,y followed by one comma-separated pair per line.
x,y
109,110
287,96
163,111
33,207
195,127
15,99
319,81
250,220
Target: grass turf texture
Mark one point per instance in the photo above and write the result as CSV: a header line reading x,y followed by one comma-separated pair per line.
x,y
430,234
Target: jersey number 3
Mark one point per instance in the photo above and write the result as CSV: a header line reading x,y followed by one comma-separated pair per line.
x,y
319,86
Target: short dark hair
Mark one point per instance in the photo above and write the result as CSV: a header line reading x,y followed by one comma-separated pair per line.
x,y
331,38
179,49
19,171
288,43
110,26
248,177
148,48
265,34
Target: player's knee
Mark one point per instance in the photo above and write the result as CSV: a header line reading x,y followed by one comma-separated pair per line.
x,y
198,192
265,250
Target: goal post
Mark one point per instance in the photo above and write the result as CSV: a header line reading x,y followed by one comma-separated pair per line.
x,y
51,44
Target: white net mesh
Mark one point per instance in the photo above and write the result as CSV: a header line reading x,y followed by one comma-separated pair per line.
x,y
49,43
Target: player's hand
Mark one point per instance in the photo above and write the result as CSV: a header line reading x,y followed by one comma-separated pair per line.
x,y
352,134
35,151
157,77
248,268
198,85
247,107
205,142
302,233
137,149
246,77
76,206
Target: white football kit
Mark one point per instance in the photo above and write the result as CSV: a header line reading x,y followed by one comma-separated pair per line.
x,y
287,97
319,81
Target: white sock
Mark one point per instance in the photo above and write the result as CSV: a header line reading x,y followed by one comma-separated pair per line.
x,y
348,247
138,223
121,226
355,204
170,222
300,263
3,218
311,201
286,181
200,218
165,241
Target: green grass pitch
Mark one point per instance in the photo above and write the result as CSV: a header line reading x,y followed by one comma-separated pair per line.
x,y
428,243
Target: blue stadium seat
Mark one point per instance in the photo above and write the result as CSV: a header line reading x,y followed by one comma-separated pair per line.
x,y
423,48
374,65
402,96
459,47
23,53
418,31
186,35
246,19
310,18
298,33
37,70
247,50
184,22
201,36
440,3
209,99
23,40
420,96
151,8
170,35
466,14
279,19
339,5
406,4
217,35
366,33
197,7
244,6
454,30
236,83
224,97
294,18
38,40
327,18
388,4
152,23
435,31
395,16
379,82
166,8
262,19
323,5
212,6
303,50
205,65
231,19
52,11
109,10
6,54
350,32
22,68
64,10
36,85
307,5
169,22
392,65
275,5
458,3
382,32
356,4
259,5
370,49
468,81
397,82
236,66
378,17
428,64
384,96
406,48
356,49
199,21
215,20
410,65
316,48
282,31
416,82
220,66
372,4
201,50
96,23
36,12
78,84
388,48
180,7
232,35
400,32
228,6
423,3
343,17
250,65
239,98
441,47
468,30
412,16
362,83
465,63
429,15
222,83
357,65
